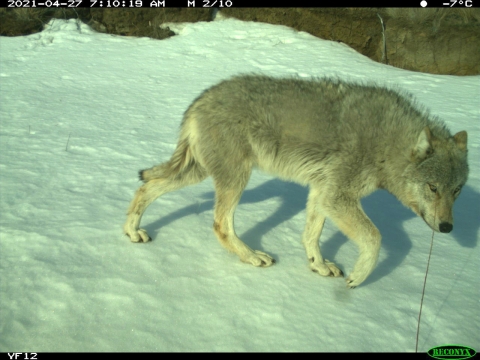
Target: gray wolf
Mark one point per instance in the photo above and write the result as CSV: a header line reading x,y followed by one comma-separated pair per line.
x,y
343,140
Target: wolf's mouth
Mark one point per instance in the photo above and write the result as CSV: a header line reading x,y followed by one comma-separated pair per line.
x,y
426,222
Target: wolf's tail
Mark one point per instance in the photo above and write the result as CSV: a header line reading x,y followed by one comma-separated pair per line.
x,y
183,161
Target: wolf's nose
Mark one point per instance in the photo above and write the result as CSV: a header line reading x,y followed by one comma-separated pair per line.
x,y
445,227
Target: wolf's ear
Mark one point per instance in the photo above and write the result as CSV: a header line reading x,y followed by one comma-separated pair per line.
x,y
423,148
460,139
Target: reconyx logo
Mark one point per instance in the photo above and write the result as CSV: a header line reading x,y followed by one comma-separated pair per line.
x,y
451,352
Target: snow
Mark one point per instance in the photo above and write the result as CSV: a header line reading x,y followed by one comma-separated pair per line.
x,y
81,112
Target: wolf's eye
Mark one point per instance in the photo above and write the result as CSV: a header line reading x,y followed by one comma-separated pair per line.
x,y
433,188
457,189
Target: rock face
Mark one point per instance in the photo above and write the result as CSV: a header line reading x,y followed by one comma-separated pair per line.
x,y
438,41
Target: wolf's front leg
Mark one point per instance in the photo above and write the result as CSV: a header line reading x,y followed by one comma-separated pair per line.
x,y
349,216
313,230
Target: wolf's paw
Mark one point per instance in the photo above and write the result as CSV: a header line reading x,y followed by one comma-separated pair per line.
x,y
139,235
326,268
351,284
258,258
360,272
353,281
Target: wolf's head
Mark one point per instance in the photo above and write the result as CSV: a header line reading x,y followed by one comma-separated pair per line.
x,y
435,177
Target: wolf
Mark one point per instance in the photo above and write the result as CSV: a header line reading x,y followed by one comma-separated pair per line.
x,y
344,140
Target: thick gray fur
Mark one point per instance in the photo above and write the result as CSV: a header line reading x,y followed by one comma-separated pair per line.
x,y
343,140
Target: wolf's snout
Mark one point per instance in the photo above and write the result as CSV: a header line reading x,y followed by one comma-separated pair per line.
x,y
445,227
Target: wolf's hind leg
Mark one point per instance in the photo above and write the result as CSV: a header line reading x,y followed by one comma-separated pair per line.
x,y
227,195
311,234
147,193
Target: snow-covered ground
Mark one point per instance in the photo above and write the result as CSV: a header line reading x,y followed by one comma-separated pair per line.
x,y
82,112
